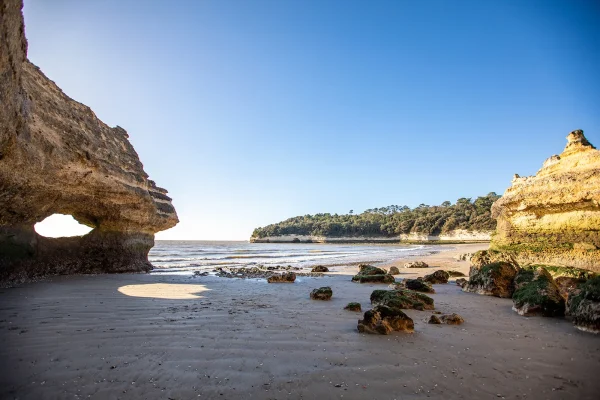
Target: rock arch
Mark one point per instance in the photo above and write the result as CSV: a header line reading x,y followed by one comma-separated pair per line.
x,y
56,156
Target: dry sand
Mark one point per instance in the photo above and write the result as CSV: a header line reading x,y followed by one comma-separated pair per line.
x,y
137,336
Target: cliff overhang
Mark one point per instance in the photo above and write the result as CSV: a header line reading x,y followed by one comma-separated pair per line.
x,y
56,156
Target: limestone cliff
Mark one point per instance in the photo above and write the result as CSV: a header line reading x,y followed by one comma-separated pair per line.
x,y
56,156
553,217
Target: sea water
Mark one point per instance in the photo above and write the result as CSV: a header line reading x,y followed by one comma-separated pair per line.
x,y
186,257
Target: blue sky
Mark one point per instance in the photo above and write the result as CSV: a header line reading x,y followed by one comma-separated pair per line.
x,y
250,112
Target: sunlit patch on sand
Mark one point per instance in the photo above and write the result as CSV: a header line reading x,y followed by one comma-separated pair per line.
x,y
170,291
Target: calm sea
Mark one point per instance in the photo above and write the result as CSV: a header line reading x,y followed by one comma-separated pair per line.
x,y
185,257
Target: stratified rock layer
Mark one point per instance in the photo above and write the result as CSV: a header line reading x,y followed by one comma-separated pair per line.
x,y
57,157
553,218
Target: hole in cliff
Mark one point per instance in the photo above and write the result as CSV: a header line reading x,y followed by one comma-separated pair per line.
x,y
60,225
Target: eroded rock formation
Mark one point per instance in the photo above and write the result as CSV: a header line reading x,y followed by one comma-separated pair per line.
x,y
56,156
553,218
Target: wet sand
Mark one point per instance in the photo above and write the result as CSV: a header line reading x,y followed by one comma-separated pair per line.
x,y
137,336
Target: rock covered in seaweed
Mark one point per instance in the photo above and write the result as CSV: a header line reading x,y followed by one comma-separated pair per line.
x,y
418,285
385,320
353,306
462,282
394,271
537,294
452,319
439,276
403,299
584,306
286,277
370,274
494,279
416,264
485,257
323,293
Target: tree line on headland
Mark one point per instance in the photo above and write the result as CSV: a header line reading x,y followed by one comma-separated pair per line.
x,y
392,220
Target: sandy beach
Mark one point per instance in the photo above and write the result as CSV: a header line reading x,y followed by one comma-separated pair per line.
x,y
144,336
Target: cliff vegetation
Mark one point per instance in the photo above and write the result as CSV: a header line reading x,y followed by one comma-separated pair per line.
x,y
392,220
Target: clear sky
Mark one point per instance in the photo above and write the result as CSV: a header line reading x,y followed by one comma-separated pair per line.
x,y
250,112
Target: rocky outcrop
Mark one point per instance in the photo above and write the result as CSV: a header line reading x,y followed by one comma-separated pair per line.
x,y
496,279
536,293
553,217
394,271
323,293
418,285
416,264
462,282
56,156
402,298
371,274
384,320
286,277
353,307
584,306
319,268
452,319
439,276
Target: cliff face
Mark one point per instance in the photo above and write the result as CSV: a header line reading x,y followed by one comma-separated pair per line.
x,y
56,156
554,217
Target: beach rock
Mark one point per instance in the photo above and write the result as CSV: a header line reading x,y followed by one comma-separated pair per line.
x,y
434,319
464,257
492,280
567,285
416,264
537,294
584,306
439,276
320,268
286,277
486,257
373,278
385,320
371,274
57,157
353,307
455,274
418,285
452,319
402,298
462,282
552,218
323,293
366,269
394,271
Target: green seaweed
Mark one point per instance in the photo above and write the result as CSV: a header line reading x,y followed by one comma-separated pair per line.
x,y
590,290
557,271
538,290
402,298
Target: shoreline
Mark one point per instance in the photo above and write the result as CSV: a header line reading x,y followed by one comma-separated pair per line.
x,y
154,337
